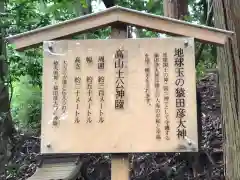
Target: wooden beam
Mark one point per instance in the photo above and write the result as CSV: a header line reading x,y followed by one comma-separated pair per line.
x,y
61,30
119,14
175,27
120,162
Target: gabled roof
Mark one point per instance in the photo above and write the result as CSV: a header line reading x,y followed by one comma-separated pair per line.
x,y
120,14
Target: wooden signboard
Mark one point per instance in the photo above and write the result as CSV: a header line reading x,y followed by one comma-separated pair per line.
x,y
119,96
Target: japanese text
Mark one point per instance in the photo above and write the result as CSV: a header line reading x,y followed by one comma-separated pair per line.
x,y
119,84
55,91
180,93
166,95
157,95
147,83
90,96
101,63
77,82
64,87
101,80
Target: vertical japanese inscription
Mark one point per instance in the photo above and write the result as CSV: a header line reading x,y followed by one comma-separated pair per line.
x,y
147,83
119,84
64,87
77,82
101,80
166,95
55,92
157,95
90,96
101,63
180,93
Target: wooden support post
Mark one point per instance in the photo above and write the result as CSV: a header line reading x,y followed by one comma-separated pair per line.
x,y
120,162
120,167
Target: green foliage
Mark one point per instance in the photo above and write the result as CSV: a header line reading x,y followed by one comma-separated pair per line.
x,y
26,104
26,63
150,6
26,67
143,33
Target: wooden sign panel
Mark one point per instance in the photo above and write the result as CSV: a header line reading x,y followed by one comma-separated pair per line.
x,y
119,96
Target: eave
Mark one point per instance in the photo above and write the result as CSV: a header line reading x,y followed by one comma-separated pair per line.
x,y
119,14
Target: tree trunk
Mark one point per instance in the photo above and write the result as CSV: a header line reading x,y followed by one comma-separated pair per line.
x,y
6,125
225,17
109,3
234,6
176,9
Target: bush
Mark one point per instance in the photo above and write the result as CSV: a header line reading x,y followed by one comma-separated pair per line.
x,y
26,104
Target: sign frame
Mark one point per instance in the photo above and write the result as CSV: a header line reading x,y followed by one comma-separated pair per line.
x,y
64,50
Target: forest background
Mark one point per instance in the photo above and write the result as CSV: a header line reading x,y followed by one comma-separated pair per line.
x,y
25,68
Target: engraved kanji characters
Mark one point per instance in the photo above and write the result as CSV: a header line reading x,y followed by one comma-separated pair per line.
x,y
89,60
180,92
101,80
77,86
56,66
101,62
64,87
120,88
157,95
89,80
77,81
77,63
147,82
166,95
